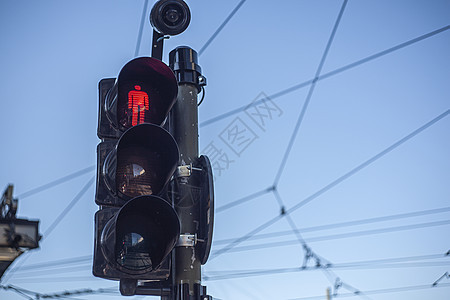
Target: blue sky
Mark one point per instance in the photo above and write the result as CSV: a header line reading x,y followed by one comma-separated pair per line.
x,y
367,142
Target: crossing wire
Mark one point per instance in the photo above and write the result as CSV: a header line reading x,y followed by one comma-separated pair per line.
x,y
340,236
141,29
308,97
55,263
56,182
58,295
381,291
333,183
346,266
344,224
55,222
69,207
326,75
219,29
398,262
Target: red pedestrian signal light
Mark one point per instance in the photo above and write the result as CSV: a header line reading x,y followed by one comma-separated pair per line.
x,y
137,104
144,92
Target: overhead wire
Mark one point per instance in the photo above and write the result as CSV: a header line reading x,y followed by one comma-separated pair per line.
x,y
309,96
56,182
60,270
66,210
334,183
308,252
339,236
271,272
326,75
58,295
56,263
418,261
380,291
52,226
243,199
219,29
344,224
85,259
141,29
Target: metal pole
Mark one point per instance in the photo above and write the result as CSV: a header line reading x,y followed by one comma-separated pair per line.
x,y
184,127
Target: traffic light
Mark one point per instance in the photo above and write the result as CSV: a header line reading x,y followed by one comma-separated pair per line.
x,y
136,227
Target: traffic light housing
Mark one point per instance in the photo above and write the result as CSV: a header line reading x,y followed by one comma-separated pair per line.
x,y
136,227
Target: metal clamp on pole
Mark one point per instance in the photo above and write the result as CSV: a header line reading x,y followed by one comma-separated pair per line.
x,y
186,170
187,240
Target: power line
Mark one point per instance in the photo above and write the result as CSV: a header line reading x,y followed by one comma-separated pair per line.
x,y
57,295
57,220
308,252
60,270
333,183
68,261
344,224
308,97
291,222
355,266
84,259
370,161
244,199
69,206
399,262
381,291
384,52
340,236
141,29
219,29
40,279
326,75
56,182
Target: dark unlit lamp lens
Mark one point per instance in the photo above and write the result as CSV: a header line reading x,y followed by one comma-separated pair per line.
x,y
135,175
134,252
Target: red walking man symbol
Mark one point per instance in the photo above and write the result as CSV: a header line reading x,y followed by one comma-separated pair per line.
x,y
138,103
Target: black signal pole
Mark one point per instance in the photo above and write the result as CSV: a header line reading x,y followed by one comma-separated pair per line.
x,y
191,190
184,126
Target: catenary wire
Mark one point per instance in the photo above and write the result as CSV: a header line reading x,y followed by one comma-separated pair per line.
x,y
354,266
56,182
340,236
69,207
417,261
309,96
141,29
243,199
333,183
326,75
55,223
49,266
88,258
380,291
308,252
61,270
343,224
57,295
219,29
65,262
